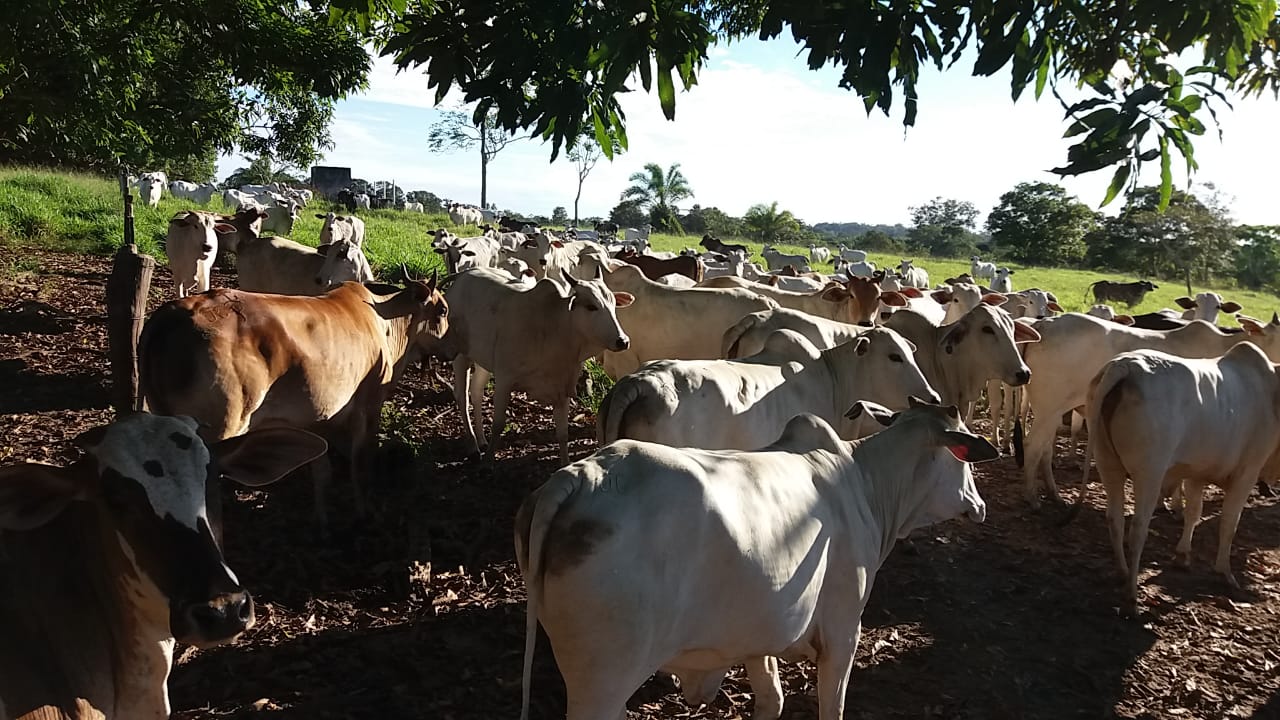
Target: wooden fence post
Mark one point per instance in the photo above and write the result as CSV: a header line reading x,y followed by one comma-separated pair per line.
x,y
127,290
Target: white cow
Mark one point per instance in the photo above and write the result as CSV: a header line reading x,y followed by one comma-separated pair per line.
x,y
748,336
1074,348
1002,283
526,339
1161,420
1106,312
744,404
776,260
413,207
463,215
979,270
819,254
1206,306
281,266
274,187
674,323
281,212
853,302
341,227
235,198
463,253
913,276
853,256
754,555
192,244
150,187
636,236
200,194
958,359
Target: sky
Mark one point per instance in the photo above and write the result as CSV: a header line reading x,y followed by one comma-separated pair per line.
x,y
761,127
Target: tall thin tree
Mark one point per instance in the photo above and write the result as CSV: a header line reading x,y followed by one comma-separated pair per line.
x,y
457,130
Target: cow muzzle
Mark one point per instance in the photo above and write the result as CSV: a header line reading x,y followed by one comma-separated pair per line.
x,y
622,343
216,621
1022,377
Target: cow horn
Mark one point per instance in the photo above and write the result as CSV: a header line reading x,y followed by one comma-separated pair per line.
x,y
404,272
1275,318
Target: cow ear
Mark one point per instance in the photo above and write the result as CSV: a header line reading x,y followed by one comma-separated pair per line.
x,y
969,448
1123,319
942,297
912,292
557,244
32,494
1231,307
835,293
1024,333
995,299
471,253
324,249
1054,306
223,228
1251,326
893,298
261,457
321,216
876,411
1185,303
623,299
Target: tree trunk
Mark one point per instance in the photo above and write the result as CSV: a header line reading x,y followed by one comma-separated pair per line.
x,y
484,170
1186,274
576,198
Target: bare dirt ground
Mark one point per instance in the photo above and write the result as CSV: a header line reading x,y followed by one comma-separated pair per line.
x,y
417,610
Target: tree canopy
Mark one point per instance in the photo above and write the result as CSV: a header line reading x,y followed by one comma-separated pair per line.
x,y
943,226
768,224
152,84
1039,223
658,193
557,68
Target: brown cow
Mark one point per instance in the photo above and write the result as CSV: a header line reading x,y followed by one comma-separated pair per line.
x,y
656,267
104,563
236,360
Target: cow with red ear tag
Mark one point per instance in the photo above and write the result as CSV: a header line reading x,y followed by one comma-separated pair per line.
x,y
105,562
731,557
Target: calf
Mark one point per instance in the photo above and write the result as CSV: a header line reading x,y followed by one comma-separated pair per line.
x,y
150,188
853,256
1130,293
713,244
819,254
526,339
748,336
341,227
192,244
463,253
237,361
607,228
743,405
1106,312
106,562
1159,419
655,268
760,554
200,194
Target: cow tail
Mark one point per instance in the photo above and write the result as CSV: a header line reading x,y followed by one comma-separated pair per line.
x,y
732,336
1104,396
547,502
1019,454
614,408
1088,290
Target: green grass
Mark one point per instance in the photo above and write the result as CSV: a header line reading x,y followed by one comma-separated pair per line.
x,y
1070,286
82,213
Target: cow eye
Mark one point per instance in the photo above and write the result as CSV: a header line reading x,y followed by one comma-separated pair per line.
x,y
444,311
988,330
591,308
895,357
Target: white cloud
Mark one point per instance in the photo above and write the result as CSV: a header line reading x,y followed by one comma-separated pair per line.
x,y
760,126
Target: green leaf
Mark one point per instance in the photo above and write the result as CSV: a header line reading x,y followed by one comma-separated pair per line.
x,y
666,92
1117,183
1042,74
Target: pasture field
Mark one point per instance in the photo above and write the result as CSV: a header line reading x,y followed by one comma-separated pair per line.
x,y
416,610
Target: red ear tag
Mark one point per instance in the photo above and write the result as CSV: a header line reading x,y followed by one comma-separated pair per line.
x,y
960,451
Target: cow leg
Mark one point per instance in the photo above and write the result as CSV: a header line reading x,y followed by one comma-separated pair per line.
x,y
1113,482
561,413
1239,486
700,688
600,695
321,472
364,445
1146,495
501,396
479,381
766,684
834,665
1193,492
461,380
1039,449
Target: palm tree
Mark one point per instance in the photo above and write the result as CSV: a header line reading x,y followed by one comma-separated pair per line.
x,y
658,192
768,225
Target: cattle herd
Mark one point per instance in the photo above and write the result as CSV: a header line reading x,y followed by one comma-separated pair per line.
x,y
772,431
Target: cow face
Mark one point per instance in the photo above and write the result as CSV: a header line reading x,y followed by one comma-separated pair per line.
x,y
592,311
150,477
984,341
430,315
887,370
944,487
343,262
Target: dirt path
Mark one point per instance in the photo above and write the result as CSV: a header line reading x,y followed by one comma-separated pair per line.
x,y
417,610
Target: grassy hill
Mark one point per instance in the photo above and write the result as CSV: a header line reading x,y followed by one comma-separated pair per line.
x,y
81,213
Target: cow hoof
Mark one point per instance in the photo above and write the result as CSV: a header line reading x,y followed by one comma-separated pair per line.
x,y
1182,560
1129,610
